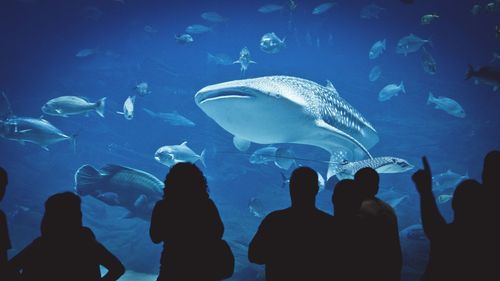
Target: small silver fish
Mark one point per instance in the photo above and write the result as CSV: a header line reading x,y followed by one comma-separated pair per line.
x,y
34,130
170,155
390,91
451,106
184,39
323,8
65,106
198,29
128,108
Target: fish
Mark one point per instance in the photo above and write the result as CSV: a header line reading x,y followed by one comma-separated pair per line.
x,y
142,89
323,8
198,29
427,19
35,130
383,165
184,39
390,91
213,17
270,8
116,185
170,155
375,73
476,9
83,53
377,49
413,232
128,108
256,207
496,57
244,60
219,59
448,105
428,62
497,31
371,11
173,118
283,158
65,106
410,44
492,6
150,29
270,43
444,198
285,109
447,180
488,75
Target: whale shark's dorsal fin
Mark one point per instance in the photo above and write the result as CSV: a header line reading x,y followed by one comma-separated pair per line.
x,y
330,86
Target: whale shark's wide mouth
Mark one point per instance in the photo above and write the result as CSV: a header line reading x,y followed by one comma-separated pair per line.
x,y
226,93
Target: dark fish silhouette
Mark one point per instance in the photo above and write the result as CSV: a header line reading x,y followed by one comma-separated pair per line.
x,y
489,75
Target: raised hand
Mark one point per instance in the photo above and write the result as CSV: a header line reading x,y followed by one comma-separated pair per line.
x,y
423,178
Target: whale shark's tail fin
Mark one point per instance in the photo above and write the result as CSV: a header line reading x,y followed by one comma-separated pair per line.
x,y
87,180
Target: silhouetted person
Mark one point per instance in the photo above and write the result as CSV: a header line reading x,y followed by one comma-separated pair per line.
x,y
65,250
455,248
347,235
293,243
4,233
491,221
187,221
381,234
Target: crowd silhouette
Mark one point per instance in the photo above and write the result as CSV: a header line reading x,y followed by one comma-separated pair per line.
x,y
360,241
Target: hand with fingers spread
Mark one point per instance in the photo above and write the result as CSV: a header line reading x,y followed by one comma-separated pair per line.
x,y
423,178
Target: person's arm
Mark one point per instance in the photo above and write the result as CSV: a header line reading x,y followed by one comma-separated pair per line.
x,y
259,246
157,227
110,262
432,220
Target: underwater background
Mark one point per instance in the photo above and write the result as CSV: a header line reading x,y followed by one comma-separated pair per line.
x,y
128,42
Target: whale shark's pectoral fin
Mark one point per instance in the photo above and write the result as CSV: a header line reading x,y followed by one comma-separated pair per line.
x,y
358,152
241,144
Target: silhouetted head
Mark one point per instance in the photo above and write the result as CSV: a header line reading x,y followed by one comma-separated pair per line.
x,y
63,215
491,170
367,180
466,202
303,187
346,200
186,179
4,180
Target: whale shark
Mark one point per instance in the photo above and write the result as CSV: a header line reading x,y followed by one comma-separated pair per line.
x,y
284,109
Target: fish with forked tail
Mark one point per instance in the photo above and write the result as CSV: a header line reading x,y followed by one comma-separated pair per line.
x,y
71,105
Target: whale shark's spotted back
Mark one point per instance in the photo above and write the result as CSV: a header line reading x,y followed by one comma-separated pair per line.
x,y
325,104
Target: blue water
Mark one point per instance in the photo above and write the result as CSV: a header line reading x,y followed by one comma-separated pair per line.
x,y
39,40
